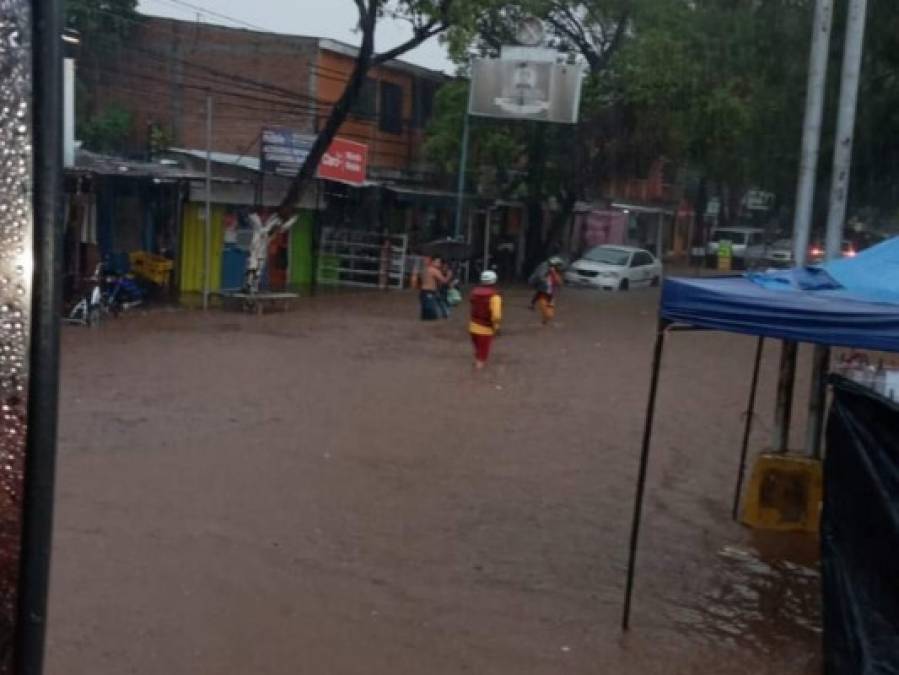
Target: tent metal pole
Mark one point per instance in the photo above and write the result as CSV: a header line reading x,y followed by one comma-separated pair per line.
x,y
747,429
641,480
817,401
783,412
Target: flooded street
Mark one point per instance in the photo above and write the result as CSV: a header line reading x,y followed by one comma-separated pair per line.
x,y
335,491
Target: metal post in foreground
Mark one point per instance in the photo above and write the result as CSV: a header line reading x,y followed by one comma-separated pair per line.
x,y
207,233
38,276
660,235
811,128
817,401
839,192
842,154
487,224
805,195
641,478
783,411
747,429
469,242
463,163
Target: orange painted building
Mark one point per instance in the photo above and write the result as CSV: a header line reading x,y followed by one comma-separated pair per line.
x,y
162,75
393,109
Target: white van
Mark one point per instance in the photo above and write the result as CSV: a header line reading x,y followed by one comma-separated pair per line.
x,y
748,245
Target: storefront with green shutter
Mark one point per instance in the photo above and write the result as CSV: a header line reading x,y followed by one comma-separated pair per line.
x,y
229,238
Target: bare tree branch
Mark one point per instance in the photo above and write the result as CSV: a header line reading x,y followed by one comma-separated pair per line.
x,y
366,59
617,37
436,25
590,34
419,36
581,42
363,12
577,26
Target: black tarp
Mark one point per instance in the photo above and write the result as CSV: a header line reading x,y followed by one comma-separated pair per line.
x,y
860,534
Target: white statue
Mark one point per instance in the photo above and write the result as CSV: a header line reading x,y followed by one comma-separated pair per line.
x,y
262,235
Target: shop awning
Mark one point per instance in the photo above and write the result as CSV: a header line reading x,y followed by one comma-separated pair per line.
x,y
87,162
411,195
636,207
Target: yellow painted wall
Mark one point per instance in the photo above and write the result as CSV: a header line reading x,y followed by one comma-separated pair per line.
x,y
193,245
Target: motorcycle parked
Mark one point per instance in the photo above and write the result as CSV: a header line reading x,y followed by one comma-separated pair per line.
x,y
89,308
107,294
121,293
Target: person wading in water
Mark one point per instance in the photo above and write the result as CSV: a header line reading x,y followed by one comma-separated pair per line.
x,y
486,315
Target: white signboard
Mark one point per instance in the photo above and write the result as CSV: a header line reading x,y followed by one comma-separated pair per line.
x,y
526,90
757,200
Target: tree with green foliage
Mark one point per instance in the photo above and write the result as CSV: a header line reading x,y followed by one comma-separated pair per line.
x,y
548,163
874,188
103,26
427,18
717,86
108,131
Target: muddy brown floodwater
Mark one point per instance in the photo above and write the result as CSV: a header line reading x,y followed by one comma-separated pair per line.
x,y
334,491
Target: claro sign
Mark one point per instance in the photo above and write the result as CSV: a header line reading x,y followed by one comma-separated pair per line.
x,y
284,151
345,161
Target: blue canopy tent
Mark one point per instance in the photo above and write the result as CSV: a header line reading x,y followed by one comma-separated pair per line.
x,y
834,317
853,302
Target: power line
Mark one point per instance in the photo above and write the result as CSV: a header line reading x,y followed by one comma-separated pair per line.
x,y
270,105
213,77
225,76
137,21
198,97
209,12
320,70
206,88
311,102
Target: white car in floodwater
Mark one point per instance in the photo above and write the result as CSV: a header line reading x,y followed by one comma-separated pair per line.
x,y
615,268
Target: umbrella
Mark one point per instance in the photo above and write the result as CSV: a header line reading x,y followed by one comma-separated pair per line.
x,y
448,249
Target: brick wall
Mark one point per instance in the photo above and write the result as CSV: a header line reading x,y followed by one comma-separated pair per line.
x,y
163,73
256,79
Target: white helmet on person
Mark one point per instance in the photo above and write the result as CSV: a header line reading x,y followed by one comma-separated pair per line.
x,y
488,278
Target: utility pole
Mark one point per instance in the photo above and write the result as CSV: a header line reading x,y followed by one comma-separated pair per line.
x,y
463,162
842,154
207,234
805,195
811,129
839,192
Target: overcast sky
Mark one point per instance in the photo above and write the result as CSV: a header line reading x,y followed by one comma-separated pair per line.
x,y
334,19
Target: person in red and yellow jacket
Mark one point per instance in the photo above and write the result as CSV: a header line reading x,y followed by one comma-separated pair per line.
x,y
547,286
486,315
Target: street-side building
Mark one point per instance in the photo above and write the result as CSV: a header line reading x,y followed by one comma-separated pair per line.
x,y
190,86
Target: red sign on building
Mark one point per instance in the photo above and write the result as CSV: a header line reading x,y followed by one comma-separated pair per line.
x,y
345,161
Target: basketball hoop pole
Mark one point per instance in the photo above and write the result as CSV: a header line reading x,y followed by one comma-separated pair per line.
x,y
463,162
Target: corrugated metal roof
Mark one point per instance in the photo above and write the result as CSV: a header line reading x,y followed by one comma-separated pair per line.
x,y
244,161
108,165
